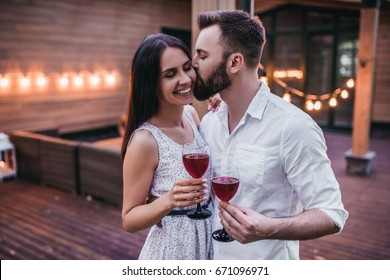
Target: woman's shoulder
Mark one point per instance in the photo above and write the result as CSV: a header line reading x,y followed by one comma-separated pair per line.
x,y
190,108
142,153
194,114
143,140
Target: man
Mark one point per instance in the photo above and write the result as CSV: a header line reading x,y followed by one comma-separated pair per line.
x,y
288,191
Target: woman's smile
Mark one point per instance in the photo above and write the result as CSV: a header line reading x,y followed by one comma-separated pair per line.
x,y
183,91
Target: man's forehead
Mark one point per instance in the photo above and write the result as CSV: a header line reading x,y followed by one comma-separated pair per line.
x,y
208,38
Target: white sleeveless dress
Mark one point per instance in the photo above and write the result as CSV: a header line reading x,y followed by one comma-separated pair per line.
x,y
175,237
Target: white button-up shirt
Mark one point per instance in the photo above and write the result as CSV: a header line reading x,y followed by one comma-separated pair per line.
x,y
281,155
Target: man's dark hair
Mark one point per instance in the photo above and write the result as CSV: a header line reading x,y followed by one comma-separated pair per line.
x,y
240,32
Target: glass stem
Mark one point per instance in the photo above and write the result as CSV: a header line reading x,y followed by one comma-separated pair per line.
x,y
224,233
198,208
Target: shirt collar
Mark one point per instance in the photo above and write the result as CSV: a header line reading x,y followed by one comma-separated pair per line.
x,y
222,111
256,107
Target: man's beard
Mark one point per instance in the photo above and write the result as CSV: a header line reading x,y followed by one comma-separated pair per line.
x,y
217,82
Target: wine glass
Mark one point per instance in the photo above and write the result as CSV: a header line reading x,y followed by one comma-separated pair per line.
x,y
196,158
225,181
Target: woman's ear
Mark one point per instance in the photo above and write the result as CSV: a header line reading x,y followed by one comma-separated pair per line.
x,y
236,61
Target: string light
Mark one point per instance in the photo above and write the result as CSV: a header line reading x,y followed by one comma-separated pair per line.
x,y
25,82
64,81
40,80
287,96
4,82
110,79
298,74
350,83
78,81
94,80
344,94
313,101
317,105
309,105
333,102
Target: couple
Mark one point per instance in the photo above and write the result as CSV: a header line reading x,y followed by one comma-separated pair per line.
x,y
288,191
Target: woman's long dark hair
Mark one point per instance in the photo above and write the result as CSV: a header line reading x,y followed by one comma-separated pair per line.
x,y
145,79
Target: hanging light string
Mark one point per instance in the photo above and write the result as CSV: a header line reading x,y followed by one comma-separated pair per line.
x,y
15,80
313,101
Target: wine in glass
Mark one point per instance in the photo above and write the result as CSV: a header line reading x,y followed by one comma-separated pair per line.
x,y
196,158
225,181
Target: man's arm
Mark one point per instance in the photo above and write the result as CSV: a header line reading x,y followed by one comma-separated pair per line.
x,y
246,225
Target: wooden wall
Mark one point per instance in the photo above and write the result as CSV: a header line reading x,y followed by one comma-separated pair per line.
x,y
55,37
381,102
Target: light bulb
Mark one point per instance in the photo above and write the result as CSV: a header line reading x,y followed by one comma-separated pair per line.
x,y
110,79
64,81
309,105
94,80
344,94
4,82
287,97
350,83
25,82
333,102
317,105
41,81
78,81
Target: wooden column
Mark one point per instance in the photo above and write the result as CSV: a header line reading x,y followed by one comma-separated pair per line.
x,y
359,158
199,6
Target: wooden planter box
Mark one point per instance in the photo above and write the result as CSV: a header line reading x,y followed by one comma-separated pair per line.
x,y
46,159
59,159
101,172
28,154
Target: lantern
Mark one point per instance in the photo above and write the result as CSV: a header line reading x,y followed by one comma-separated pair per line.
x,y
7,158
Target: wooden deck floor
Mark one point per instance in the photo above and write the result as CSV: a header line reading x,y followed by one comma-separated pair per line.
x,y
38,222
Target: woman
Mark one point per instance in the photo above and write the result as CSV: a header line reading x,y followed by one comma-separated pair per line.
x,y
159,122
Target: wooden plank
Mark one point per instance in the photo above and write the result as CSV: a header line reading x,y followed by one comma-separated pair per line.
x,y
45,228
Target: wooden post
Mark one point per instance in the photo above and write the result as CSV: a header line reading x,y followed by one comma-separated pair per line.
x,y
199,6
359,158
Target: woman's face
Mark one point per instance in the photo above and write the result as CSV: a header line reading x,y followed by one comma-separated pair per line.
x,y
177,77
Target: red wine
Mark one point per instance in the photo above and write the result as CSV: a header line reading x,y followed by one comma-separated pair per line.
x,y
225,187
196,164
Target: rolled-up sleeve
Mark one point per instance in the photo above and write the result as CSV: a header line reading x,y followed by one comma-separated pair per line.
x,y
309,170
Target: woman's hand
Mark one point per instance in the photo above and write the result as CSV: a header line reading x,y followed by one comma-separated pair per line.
x,y
214,102
187,192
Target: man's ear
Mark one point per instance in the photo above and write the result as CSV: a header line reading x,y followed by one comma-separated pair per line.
x,y
236,62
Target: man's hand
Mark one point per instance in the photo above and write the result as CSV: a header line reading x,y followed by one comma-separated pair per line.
x,y
243,224
246,225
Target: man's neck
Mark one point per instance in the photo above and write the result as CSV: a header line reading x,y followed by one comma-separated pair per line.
x,y
237,98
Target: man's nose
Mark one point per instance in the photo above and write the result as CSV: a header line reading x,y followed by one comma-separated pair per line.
x,y
195,63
